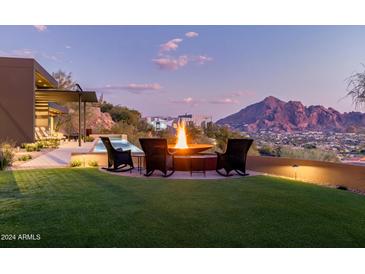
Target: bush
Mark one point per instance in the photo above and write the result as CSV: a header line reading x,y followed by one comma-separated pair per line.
x,y
93,163
89,139
268,150
309,154
25,157
6,155
49,143
32,147
75,163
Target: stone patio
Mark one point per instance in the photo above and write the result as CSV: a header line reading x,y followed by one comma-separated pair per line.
x,y
57,158
179,175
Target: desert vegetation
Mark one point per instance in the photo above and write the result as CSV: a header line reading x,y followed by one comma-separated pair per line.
x,y
7,154
309,153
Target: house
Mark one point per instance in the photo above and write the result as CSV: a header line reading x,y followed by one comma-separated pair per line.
x,y
30,99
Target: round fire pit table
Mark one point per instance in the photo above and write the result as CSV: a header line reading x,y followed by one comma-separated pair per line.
x,y
196,163
192,149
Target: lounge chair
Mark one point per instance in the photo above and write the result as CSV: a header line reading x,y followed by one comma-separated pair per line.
x,y
118,160
157,156
234,158
46,135
39,135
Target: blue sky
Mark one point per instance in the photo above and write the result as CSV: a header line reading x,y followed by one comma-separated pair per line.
x,y
214,70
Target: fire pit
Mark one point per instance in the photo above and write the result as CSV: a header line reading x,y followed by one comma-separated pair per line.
x,y
190,150
182,147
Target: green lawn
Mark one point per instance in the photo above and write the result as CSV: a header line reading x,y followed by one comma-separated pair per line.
x,y
87,208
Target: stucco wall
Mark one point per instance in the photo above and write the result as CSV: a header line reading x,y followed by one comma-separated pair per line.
x,y
311,171
17,100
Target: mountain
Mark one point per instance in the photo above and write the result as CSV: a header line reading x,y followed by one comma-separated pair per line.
x,y
279,116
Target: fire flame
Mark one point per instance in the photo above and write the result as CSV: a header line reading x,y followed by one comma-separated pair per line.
x,y
181,136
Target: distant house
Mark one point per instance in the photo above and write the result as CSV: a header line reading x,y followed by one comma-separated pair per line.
x,y
29,100
196,120
160,123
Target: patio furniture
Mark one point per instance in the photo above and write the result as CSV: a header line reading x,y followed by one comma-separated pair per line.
x,y
140,157
234,158
198,163
46,135
157,156
118,160
39,135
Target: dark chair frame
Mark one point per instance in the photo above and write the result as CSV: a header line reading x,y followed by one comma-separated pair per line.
x,y
118,159
234,158
157,156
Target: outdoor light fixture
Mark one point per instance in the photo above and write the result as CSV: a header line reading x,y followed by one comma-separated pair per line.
x,y
295,167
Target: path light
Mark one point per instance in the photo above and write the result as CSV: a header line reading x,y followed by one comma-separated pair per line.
x,y
295,168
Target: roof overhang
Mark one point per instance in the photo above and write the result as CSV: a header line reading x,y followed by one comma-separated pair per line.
x,y
60,95
56,108
43,78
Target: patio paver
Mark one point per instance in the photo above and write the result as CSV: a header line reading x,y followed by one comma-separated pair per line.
x,y
210,174
59,157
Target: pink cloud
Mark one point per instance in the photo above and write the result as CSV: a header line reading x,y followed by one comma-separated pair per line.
x,y
132,87
29,53
187,101
170,63
191,34
26,53
152,86
202,59
40,28
170,45
224,101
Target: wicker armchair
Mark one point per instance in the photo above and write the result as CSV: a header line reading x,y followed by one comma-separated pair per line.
x,y
234,158
118,160
157,156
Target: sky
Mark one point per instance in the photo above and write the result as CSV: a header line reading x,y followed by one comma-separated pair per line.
x,y
210,70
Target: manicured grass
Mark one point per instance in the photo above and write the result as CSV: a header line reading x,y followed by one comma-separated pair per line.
x,y
87,208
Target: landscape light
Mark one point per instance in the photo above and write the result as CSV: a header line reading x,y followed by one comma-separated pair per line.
x,y
295,167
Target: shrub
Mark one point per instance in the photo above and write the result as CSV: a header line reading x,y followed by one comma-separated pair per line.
x,y
6,155
49,143
89,139
309,154
75,163
32,147
39,145
267,150
93,163
25,157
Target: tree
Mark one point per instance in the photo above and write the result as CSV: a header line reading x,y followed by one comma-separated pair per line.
x,y
356,88
67,122
64,80
119,113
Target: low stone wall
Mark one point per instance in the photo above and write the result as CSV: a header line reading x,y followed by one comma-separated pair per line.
x,y
325,173
100,157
